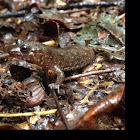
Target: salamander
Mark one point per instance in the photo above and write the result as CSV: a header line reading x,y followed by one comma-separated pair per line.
x,y
58,60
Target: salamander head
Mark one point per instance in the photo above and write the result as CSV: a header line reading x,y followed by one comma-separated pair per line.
x,y
24,50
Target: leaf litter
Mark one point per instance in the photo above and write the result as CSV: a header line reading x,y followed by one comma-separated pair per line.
x,y
101,28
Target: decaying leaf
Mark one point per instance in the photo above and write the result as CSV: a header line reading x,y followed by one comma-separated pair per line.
x,y
111,41
110,23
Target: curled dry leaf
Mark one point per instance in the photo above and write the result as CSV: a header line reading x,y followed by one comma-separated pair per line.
x,y
38,93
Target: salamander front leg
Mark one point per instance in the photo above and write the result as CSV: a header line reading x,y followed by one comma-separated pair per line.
x,y
60,78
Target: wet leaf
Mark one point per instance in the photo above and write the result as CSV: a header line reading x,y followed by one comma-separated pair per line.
x,y
107,33
23,125
110,22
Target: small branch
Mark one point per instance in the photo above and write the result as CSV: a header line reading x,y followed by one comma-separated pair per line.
x,y
88,74
74,10
13,14
60,110
87,4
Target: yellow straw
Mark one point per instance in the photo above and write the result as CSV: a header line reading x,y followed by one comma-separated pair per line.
x,y
41,113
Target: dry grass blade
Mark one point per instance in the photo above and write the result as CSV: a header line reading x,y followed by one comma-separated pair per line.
x,y
52,111
87,96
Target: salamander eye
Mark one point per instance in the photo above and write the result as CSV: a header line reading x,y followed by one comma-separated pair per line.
x,y
24,48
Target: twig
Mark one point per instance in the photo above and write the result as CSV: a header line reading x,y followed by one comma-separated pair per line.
x,y
87,4
88,74
60,110
41,113
74,10
13,14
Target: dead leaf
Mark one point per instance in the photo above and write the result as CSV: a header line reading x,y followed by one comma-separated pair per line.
x,y
23,125
34,119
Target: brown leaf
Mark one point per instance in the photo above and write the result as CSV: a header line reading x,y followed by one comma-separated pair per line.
x,y
88,121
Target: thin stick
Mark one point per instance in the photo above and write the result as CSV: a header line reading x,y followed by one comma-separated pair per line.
x,y
88,74
86,4
13,14
74,10
60,110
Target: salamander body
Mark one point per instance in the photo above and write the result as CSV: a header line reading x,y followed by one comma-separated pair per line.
x,y
55,59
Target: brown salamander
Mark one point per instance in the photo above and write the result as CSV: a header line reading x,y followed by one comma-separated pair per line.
x,y
55,59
